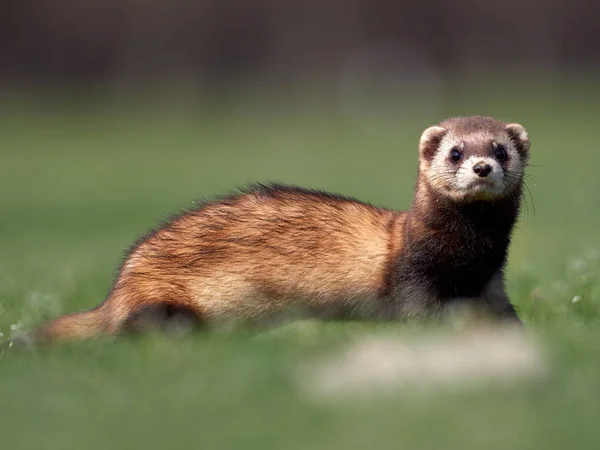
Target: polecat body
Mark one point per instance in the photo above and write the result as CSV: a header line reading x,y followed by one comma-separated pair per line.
x,y
276,250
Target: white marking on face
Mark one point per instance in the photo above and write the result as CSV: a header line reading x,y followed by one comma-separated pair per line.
x,y
460,182
468,180
516,163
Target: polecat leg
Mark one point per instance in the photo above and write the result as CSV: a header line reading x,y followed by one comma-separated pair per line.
x,y
164,317
495,297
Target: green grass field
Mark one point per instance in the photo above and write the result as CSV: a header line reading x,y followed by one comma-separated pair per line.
x,y
78,183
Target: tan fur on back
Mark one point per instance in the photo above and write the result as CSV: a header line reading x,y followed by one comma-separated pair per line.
x,y
258,253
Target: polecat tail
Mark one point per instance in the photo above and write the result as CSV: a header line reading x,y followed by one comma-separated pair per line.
x,y
74,326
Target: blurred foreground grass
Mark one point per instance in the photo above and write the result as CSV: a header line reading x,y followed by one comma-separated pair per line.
x,y
78,183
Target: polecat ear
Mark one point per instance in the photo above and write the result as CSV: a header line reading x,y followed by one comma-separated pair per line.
x,y
430,141
520,138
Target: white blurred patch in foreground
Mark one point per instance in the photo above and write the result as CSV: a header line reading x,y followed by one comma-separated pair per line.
x,y
457,360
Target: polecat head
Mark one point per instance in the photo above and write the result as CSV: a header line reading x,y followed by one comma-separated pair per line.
x,y
474,158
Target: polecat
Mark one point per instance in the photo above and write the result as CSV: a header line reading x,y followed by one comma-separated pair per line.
x,y
275,250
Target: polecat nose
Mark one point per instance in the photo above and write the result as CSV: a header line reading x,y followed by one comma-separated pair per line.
x,y
482,169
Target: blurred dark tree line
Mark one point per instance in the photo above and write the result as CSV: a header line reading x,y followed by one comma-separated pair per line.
x,y
107,41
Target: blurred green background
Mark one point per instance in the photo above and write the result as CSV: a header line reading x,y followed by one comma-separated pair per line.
x,y
107,126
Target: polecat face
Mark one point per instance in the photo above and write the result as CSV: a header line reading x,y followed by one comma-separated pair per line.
x,y
474,158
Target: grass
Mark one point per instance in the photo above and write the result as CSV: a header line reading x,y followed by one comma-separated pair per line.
x,y
78,183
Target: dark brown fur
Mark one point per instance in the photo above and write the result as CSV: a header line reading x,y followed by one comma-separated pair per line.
x,y
278,250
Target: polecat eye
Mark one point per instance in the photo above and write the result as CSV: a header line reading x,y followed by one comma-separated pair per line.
x,y
500,153
455,154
